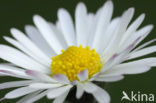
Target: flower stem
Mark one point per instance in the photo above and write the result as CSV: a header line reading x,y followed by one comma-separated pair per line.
x,y
86,98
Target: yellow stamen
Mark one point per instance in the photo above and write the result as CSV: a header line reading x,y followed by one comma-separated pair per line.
x,y
74,60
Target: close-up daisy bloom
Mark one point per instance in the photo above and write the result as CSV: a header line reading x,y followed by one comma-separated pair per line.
x,y
52,59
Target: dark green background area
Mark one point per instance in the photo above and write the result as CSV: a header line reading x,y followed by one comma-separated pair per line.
x,y
17,13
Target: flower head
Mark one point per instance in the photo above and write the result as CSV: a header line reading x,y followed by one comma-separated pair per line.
x,y
53,58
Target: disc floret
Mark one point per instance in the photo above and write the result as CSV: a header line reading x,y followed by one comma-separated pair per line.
x,y
74,60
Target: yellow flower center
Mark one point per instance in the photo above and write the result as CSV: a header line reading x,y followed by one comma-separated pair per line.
x,y
74,60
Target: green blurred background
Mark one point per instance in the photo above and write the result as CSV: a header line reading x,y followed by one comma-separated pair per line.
x,y
17,13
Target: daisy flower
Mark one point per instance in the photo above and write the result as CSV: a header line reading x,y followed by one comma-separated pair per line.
x,y
53,58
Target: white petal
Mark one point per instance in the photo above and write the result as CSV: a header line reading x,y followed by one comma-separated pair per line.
x,y
110,62
81,24
108,35
142,52
61,98
91,17
89,87
20,59
40,76
144,32
61,78
15,84
25,50
121,29
144,45
8,70
44,85
6,73
101,95
147,61
79,91
37,38
67,26
26,42
118,58
132,28
127,68
109,78
140,33
47,33
92,26
58,91
83,75
19,92
27,97
36,97
2,74
102,23
59,35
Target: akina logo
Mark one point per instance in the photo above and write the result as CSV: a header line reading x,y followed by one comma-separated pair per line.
x,y
137,96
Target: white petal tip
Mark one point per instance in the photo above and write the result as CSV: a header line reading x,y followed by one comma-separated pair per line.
x,y
132,9
2,99
81,5
28,26
109,2
151,26
5,37
143,15
12,30
36,18
61,12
